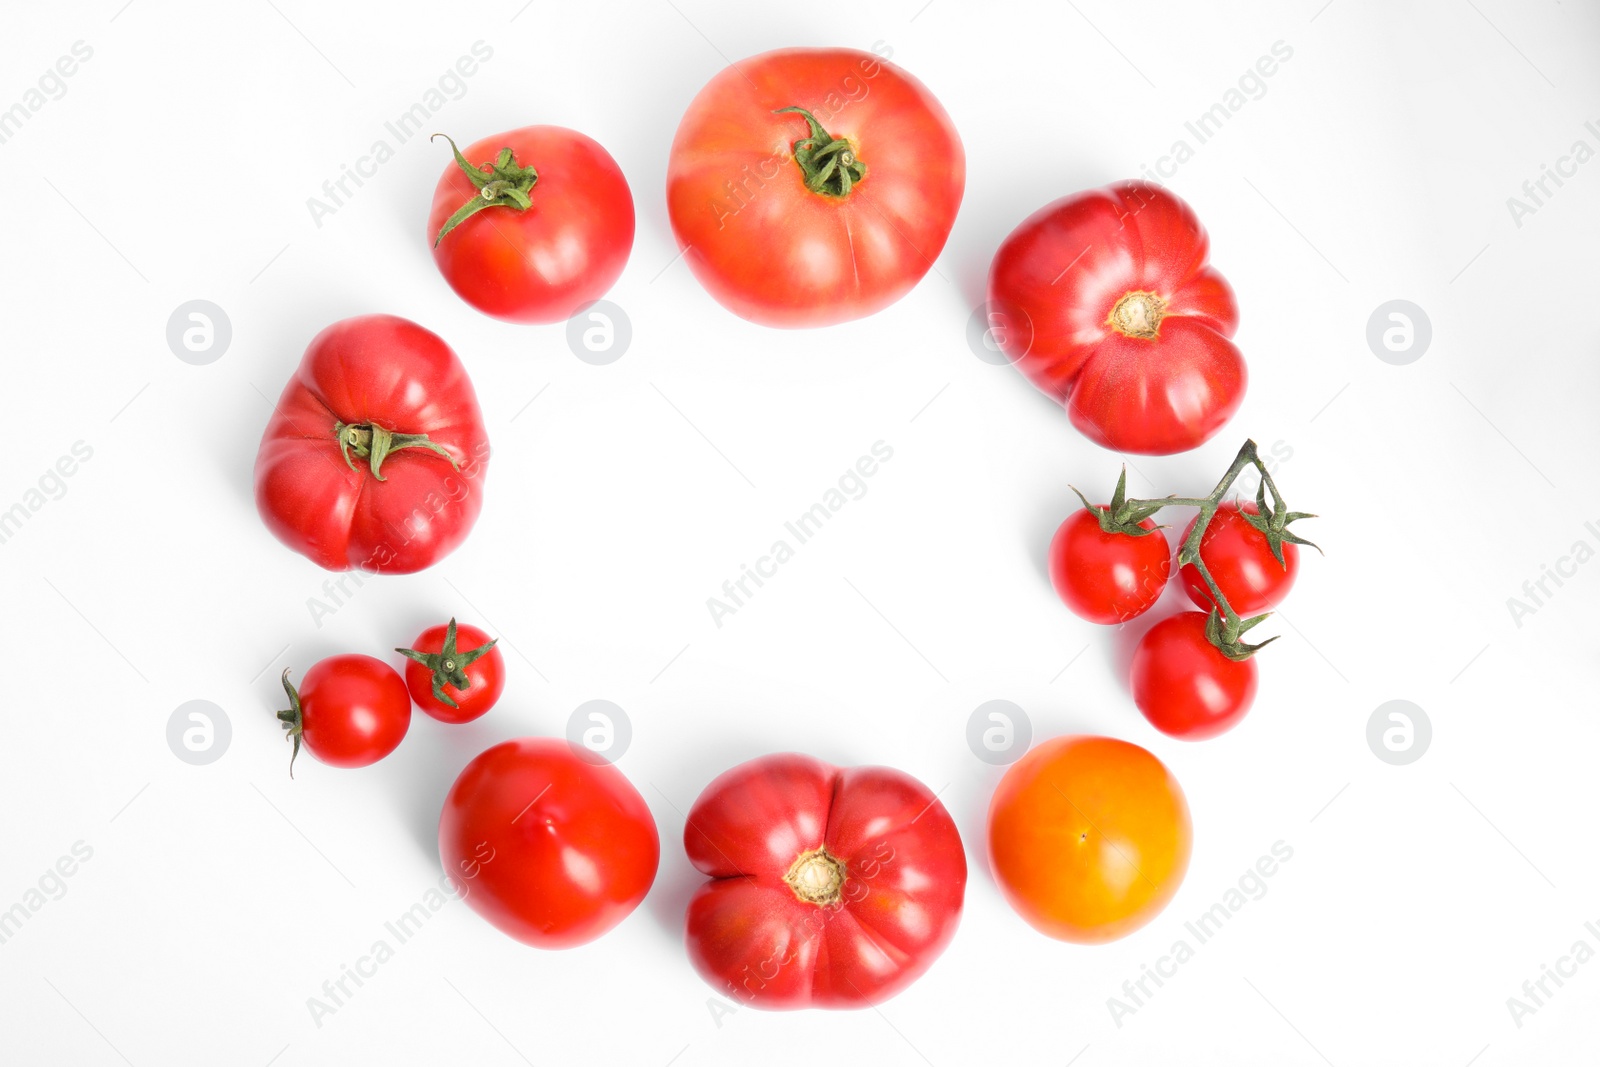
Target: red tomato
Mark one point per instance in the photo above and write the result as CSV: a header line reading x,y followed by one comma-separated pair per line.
x,y
554,850
350,711
809,186
831,887
1108,577
548,228
1241,563
1089,838
375,455
1105,301
450,682
1184,685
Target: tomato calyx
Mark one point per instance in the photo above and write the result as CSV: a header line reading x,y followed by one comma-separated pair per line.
x,y
292,718
830,164
448,666
373,443
1138,313
817,877
1232,646
1123,515
1272,521
503,183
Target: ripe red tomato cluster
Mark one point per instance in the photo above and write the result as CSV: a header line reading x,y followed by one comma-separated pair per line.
x,y
805,187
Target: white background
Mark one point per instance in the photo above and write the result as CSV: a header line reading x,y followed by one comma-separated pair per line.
x,y
1376,166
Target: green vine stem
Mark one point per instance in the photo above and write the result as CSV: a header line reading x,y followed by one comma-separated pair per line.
x,y
373,443
292,719
449,666
503,183
830,164
1224,627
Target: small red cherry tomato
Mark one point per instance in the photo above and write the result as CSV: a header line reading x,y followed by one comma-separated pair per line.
x,y
532,224
1104,299
455,674
830,887
1108,577
1241,563
552,849
1184,685
350,711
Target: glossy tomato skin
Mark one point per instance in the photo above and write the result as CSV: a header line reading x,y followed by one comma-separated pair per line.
x,y
752,936
1052,289
771,250
1241,563
562,253
1108,578
1089,838
1184,686
552,849
354,709
384,370
487,675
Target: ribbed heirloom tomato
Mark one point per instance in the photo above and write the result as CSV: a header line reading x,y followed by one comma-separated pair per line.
x,y
553,849
532,224
810,186
1089,837
375,454
831,887
1105,301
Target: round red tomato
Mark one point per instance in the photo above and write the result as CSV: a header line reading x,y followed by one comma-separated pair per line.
x,y
1108,577
1105,301
810,186
375,454
1241,563
1184,685
532,224
553,850
455,674
831,887
350,711
1089,838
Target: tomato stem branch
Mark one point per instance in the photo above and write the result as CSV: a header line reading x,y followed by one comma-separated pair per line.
x,y
830,164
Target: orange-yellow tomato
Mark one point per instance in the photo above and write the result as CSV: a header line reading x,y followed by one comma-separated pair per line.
x,y
1089,838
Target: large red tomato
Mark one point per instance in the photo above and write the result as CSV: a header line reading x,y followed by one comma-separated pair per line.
x,y
553,849
1105,301
545,227
1089,837
831,887
809,186
375,454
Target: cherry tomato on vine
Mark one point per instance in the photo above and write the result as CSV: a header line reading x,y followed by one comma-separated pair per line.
x,y
532,224
1105,301
1241,563
1184,685
831,887
455,674
1089,838
809,186
350,711
553,849
1108,577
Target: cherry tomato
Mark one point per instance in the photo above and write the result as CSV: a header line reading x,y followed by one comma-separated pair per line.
x,y
831,887
1108,577
375,454
554,850
810,186
547,229
1184,686
1241,563
1089,838
1104,300
455,674
349,711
